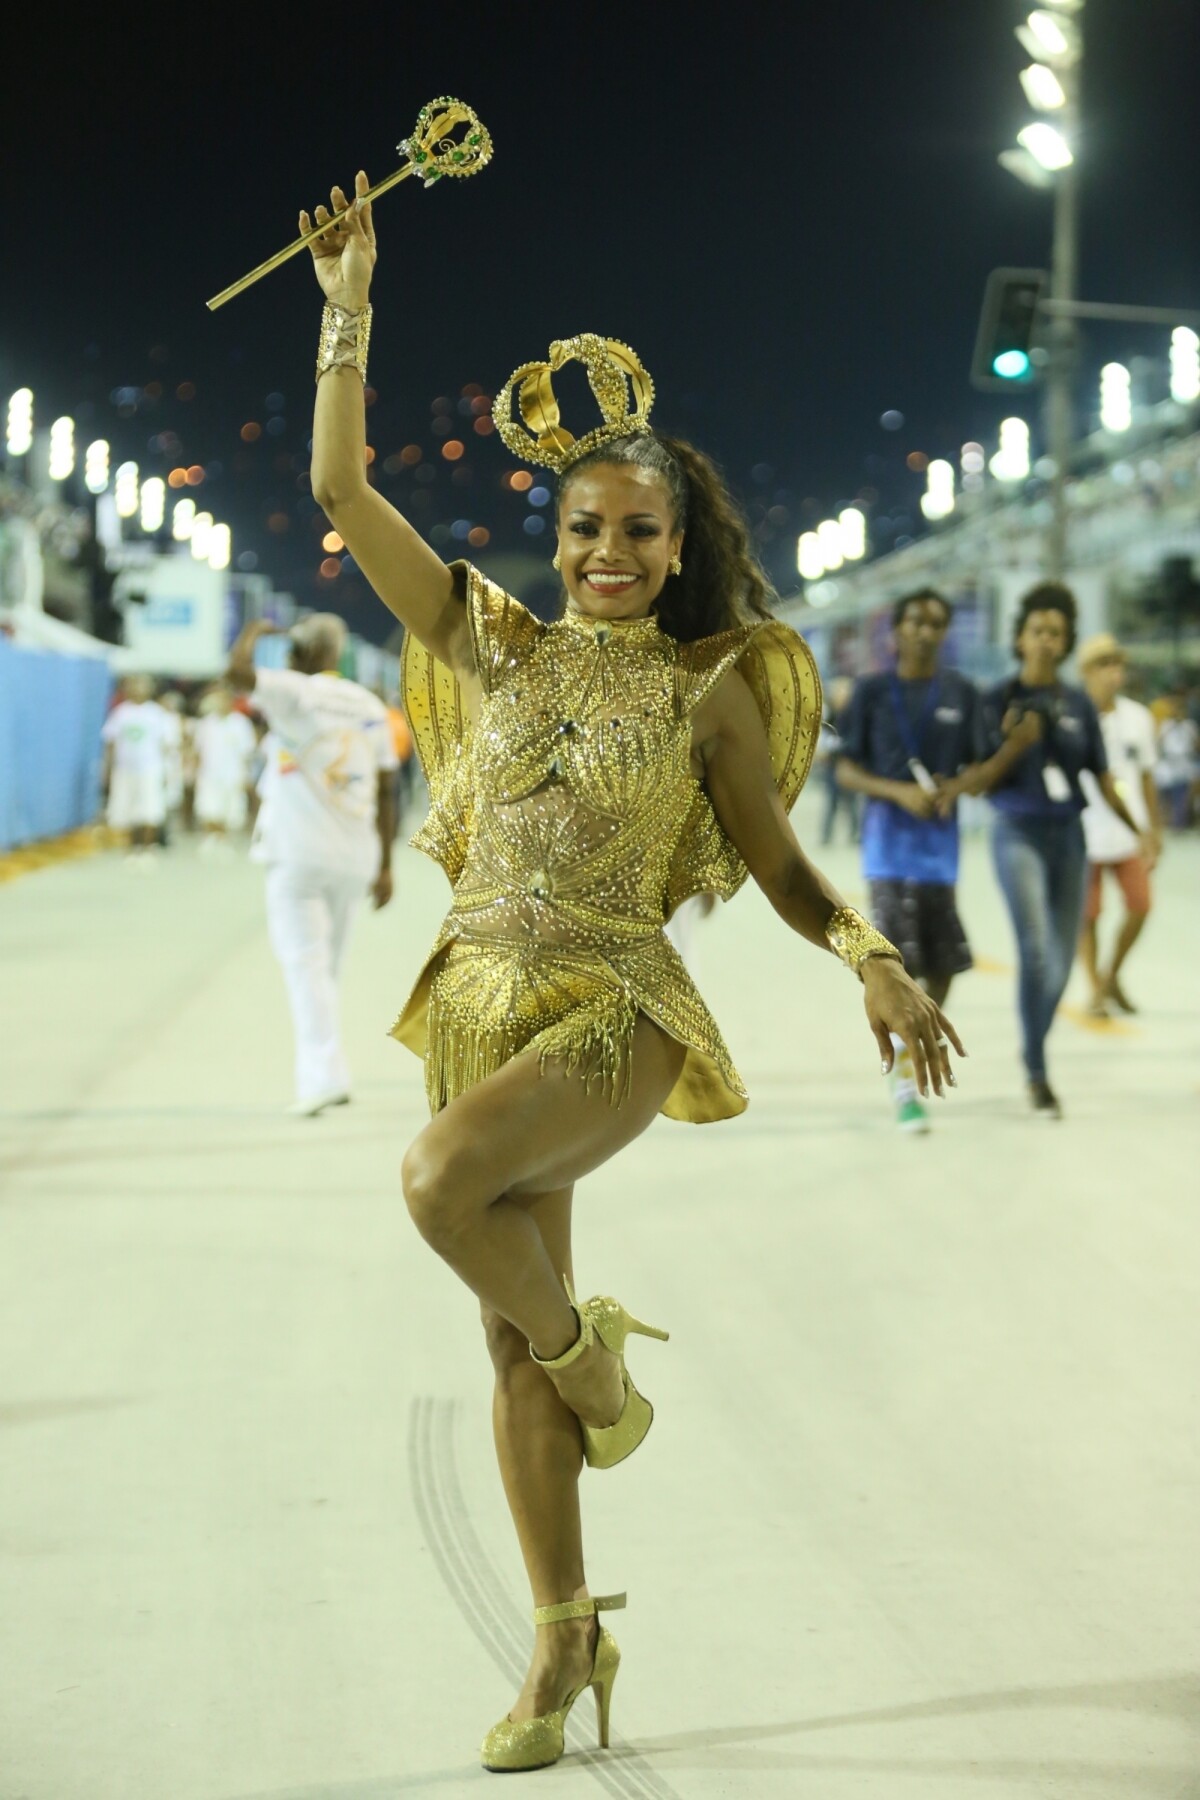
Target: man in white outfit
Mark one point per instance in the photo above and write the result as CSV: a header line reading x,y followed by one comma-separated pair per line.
x,y
324,831
136,738
225,742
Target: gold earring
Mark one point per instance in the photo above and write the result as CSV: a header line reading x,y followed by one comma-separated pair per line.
x,y
557,561
675,566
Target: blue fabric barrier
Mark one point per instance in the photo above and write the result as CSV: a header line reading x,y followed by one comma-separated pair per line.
x,y
52,708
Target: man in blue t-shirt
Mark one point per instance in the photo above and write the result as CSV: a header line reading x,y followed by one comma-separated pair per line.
x,y
912,734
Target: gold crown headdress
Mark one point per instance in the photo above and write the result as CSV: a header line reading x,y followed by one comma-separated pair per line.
x,y
612,369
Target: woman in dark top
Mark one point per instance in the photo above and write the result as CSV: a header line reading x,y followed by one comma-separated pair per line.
x,y
1042,733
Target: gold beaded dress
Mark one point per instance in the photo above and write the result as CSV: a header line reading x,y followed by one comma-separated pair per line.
x,y
571,826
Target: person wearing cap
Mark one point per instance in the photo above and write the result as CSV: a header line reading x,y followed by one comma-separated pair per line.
x,y
324,831
1130,745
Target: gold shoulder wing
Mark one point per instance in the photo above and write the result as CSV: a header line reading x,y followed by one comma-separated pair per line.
x,y
440,720
778,666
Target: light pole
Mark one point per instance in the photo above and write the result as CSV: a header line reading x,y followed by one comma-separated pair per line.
x,y
1063,335
1053,36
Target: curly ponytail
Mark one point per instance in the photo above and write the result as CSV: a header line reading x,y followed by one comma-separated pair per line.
x,y
722,584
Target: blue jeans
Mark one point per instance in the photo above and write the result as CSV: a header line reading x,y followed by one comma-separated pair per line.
x,y
1041,866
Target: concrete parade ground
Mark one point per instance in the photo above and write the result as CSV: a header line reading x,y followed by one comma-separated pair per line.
x,y
918,1515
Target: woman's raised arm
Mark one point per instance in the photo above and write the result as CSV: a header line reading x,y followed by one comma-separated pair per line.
x,y
412,582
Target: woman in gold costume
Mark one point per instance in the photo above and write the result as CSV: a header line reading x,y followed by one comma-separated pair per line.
x,y
586,777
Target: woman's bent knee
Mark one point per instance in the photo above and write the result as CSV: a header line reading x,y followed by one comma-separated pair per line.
x,y
430,1191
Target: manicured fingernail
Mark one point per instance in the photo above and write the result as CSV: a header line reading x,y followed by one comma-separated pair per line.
x,y
883,1068
953,1080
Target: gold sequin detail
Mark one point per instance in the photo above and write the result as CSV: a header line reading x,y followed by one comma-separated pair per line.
x,y
571,825
853,939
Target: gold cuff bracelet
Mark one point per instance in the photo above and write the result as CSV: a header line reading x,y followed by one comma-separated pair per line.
x,y
344,339
853,939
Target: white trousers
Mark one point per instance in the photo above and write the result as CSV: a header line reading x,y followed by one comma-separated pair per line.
x,y
309,914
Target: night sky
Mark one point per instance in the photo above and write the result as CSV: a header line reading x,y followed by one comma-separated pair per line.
x,y
789,213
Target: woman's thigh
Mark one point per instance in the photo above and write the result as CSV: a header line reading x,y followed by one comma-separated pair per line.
x,y
1022,875
530,1130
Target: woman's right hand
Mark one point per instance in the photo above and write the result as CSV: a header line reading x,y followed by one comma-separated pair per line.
x,y
344,256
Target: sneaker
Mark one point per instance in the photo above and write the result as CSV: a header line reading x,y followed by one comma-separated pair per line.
x,y
1044,1100
308,1109
911,1116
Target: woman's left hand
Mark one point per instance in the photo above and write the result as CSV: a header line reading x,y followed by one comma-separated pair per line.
x,y
895,1003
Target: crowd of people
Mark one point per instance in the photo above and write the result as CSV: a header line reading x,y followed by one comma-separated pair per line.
x,y
318,766
1078,778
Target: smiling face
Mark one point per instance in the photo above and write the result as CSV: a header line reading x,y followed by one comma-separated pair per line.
x,y
616,538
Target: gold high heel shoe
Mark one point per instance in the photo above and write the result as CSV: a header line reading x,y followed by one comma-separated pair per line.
x,y
536,1743
605,1318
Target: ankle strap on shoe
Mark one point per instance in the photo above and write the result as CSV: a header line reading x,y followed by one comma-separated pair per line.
x,y
582,1342
578,1609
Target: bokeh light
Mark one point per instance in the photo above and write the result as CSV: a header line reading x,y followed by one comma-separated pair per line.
x,y
892,420
410,455
251,431
535,524
452,449
330,569
186,390
332,542
478,536
195,475
177,478
485,425
520,480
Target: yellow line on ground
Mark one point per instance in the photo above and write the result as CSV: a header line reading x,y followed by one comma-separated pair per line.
x,y
29,858
1102,1027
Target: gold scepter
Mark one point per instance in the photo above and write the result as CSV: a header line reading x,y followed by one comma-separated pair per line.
x,y
447,139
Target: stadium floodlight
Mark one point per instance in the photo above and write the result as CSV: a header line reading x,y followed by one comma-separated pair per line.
x,y
1185,365
95,466
1043,90
19,437
126,490
1116,400
220,547
1047,145
822,593
202,526
829,536
1049,37
809,560
154,503
183,516
1011,461
937,502
852,523
62,449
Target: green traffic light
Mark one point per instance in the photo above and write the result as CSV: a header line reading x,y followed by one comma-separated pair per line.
x,y
1011,365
